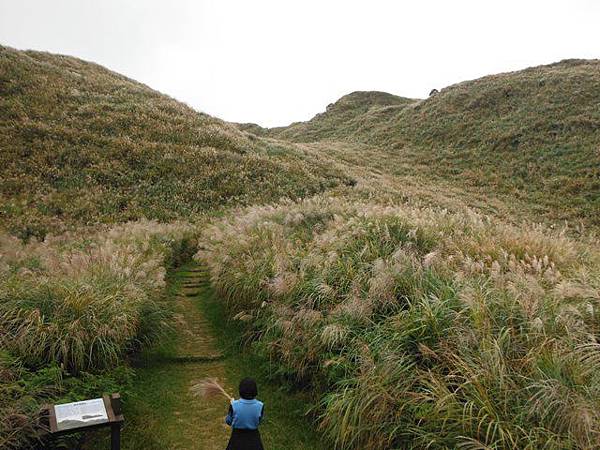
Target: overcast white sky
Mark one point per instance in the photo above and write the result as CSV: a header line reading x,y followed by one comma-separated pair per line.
x,y
273,62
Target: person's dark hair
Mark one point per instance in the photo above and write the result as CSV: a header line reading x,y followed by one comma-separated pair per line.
x,y
248,389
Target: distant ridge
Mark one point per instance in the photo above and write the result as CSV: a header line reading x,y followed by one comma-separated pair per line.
x,y
533,134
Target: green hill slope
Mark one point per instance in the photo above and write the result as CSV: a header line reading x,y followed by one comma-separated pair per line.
x,y
342,118
531,136
81,144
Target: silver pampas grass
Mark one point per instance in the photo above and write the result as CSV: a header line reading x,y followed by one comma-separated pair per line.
x,y
208,388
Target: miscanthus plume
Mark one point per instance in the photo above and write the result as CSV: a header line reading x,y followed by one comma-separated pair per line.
x,y
420,327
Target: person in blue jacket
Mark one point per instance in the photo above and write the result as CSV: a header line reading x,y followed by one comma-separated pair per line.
x,y
244,416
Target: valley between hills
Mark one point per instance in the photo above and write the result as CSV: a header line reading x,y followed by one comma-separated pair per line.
x,y
407,273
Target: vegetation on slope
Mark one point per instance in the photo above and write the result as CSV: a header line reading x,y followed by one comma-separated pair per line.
x,y
531,136
420,327
71,308
339,119
160,400
82,145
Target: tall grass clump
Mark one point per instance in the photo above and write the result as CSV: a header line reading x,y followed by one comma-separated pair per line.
x,y
75,304
417,327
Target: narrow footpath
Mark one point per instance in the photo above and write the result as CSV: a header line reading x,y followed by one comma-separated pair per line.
x,y
162,413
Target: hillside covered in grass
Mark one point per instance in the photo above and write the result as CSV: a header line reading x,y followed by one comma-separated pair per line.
x,y
87,157
339,119
380,256
531,137
81,145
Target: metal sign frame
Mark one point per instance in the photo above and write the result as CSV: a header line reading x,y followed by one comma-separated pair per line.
x,y
112,404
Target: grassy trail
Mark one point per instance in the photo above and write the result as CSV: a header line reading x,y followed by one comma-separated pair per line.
x,y
160,411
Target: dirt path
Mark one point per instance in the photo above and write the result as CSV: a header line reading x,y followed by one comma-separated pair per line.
x,y
160,411
197,357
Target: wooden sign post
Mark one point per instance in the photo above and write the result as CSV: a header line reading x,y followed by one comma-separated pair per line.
x,y
87,415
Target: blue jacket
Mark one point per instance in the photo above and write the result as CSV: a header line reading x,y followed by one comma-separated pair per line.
x,y
245,414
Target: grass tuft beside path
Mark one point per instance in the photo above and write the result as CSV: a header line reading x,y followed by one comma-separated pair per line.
x,y
161,413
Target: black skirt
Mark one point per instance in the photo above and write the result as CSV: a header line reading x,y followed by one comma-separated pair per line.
x,y
244,440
